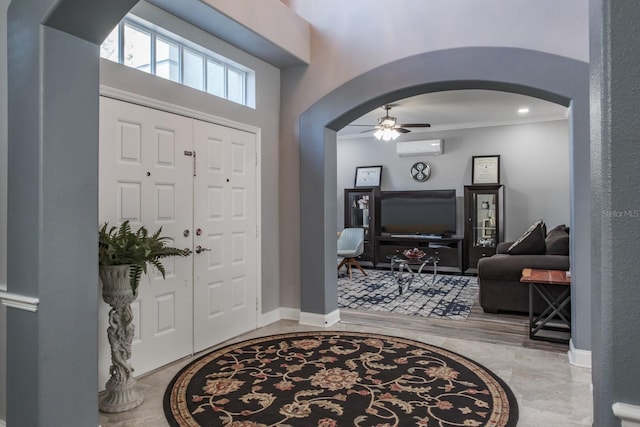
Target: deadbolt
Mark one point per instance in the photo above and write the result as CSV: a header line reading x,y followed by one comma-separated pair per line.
x,y
199,231
185,233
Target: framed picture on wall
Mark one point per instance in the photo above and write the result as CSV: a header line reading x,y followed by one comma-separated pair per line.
x,y
485,170
368,176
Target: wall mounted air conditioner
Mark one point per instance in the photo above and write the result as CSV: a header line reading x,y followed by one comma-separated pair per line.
x,y
431,147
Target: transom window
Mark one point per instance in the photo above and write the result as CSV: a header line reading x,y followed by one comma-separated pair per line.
x,y
153,50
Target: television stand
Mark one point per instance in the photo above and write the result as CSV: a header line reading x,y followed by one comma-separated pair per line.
x,y
417,236
447,249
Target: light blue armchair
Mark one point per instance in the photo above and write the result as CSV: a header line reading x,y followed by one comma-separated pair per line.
x,y
351,246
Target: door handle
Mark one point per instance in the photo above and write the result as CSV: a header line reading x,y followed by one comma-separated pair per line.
x,y
187,251
201,249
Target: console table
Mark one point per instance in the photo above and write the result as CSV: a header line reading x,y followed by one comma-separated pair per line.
x,y
448,250
556,310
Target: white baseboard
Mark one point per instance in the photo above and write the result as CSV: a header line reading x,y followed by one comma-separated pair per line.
x,y
269,318
577,357
282,313
320,320
287,313
290,313
629,414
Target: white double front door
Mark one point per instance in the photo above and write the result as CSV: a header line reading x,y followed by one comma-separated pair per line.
x,y
196,180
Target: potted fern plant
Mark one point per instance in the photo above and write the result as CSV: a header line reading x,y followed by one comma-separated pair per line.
x,y
121,246
123,256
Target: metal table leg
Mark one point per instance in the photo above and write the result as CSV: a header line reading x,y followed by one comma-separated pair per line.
x,y
555,311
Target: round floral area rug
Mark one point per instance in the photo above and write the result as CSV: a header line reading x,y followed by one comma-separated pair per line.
x,y
328,379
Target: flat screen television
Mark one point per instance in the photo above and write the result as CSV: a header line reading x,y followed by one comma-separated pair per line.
x,y
418,212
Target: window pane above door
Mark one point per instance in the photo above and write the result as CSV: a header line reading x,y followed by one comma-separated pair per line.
x,y
167,60
215,78
137,48
193,69
110,46
236,85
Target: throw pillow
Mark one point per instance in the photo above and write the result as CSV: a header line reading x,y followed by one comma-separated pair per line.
x,y
560,227
557,241
532,242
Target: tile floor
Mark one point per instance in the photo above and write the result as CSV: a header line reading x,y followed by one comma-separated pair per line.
x,y
550,391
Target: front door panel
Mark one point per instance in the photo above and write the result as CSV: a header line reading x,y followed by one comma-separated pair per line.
x,y
146,178
225,278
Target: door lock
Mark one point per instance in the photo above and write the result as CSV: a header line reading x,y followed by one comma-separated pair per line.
x,y
201,249
187,251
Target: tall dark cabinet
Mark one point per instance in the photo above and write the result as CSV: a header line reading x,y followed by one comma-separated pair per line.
x,y
361,209
484,223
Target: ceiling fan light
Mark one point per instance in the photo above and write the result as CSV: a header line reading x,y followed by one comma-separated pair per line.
x,y
386,134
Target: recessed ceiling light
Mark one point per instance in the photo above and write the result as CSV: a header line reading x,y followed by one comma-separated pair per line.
x,y
523,110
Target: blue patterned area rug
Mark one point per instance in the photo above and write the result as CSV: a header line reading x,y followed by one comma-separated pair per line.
x,y
451,297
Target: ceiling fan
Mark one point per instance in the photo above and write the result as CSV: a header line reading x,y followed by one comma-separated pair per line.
x,y
388,128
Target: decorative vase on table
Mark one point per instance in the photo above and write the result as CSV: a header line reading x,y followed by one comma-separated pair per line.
x,y
120,394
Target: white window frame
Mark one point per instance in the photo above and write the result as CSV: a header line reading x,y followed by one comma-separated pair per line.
x,y
182,44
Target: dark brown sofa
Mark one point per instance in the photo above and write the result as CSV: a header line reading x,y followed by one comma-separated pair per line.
x,y
499,275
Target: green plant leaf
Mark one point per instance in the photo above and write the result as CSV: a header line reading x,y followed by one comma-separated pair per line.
x,y
122,246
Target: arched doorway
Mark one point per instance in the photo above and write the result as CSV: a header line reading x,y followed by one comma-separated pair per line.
x,y
553,78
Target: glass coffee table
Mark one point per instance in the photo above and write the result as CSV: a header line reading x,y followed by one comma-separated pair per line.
x,y
403,270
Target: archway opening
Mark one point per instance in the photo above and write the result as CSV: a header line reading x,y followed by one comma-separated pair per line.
x,y
466,123
556,79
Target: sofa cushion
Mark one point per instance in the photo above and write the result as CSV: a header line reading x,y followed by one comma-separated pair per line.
x,y
560,227
505,267
557,241
532,242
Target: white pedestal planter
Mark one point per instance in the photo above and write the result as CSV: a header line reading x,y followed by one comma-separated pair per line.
x,y
120,394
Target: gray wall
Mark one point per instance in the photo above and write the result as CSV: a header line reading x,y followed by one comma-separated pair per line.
x,y
4,4
53,79
265,116
615,83
534,163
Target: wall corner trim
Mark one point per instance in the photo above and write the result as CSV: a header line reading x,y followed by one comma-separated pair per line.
x,y
21,302
320,320
577,357
629,414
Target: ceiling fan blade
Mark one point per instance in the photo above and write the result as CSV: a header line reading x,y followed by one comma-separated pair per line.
x,y
368,130
402,130
416,125
370,126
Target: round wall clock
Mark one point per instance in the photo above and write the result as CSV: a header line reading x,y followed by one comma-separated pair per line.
x,y
421,171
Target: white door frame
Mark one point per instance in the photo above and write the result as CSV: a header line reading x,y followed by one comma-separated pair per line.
x,y
194,114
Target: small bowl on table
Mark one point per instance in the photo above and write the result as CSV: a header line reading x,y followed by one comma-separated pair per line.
x,y
413,254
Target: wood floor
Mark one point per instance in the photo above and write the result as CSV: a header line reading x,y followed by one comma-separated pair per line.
x,y
508,329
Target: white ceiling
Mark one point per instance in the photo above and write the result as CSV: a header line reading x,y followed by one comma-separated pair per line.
x,y
460,109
